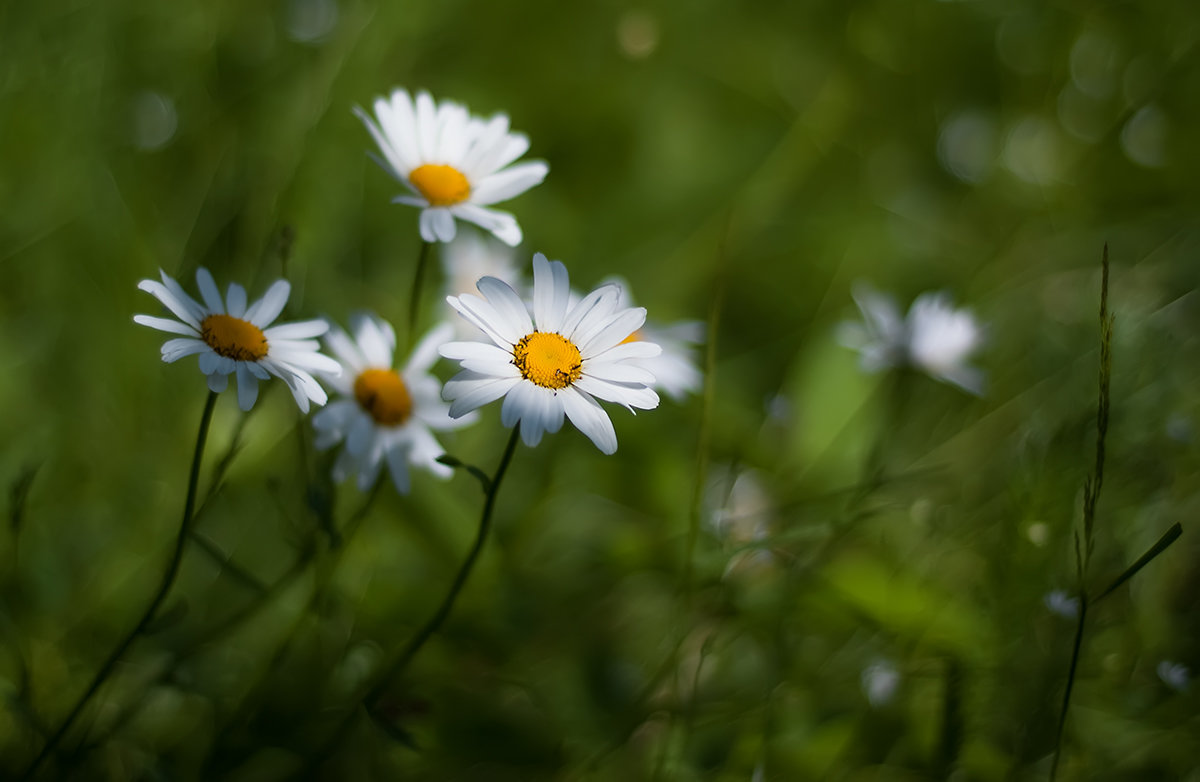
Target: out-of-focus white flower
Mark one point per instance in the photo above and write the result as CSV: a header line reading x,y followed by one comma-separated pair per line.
x,y
675,370
880,680
1174,675
470,257
552,364
935,337
455,165
384,414
740,515
1059,602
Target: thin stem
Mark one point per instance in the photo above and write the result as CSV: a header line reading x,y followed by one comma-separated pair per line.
x,y
147,617
435,622
414,300
1066,701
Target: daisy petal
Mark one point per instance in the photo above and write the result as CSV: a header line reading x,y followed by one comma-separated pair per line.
x,y
588,417
209,291
551,293
165,324
264,311
507,303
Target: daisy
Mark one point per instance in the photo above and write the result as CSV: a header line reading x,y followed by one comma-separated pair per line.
x,y
233,338
456,165
556,362
675,370
385,414
935,338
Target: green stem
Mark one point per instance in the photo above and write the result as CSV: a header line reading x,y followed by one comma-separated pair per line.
x,y
435,622
147,617
414,300
1066,701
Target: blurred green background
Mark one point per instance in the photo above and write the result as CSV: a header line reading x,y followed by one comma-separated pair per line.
x,y
754,157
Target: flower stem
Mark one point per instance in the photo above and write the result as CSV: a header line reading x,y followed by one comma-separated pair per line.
x,y
435,622
414,301
164,587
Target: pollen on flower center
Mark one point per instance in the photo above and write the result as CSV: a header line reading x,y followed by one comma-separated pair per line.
x,y
440,184
548,360
383,394
233,337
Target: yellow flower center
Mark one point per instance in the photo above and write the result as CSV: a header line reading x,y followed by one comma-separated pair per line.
x,y
441,185
548,360
233,337
382,393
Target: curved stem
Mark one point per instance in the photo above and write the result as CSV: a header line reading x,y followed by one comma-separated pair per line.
x,y
148,615
435,622
414,296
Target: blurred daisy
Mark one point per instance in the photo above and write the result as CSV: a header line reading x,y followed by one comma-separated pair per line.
x,y
473,255
675,370
556,363
741,516
879,681
455,165
233,338
935,337
1058,602
384,415
1174,675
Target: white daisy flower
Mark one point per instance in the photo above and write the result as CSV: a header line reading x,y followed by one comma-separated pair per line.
x,y
233,338
473,255
935,338
1174,675
675,370
554,363
456,165
384,414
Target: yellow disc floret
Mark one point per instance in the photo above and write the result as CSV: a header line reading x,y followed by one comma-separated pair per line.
x,y
548,360
441,185
233,337
383,394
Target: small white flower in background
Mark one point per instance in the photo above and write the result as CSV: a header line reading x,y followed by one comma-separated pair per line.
x,y
935,338
384,414
1174,675
473,255
740,509
455,165
553,364
880,680
1059,602
233,338
675,370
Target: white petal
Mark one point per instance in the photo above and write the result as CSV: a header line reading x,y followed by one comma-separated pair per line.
x,y
480,351
397,462
184,308
209,362
509,183
592,341
303,329
217,382
442,223
589,418
426,126
165,324
502,224
209,291
551,293
360,434
618,372
264,311
596,304
345,349
489,143
484,315
628,350
426,226
235,300
630,396
247,387
426,352
175,349
501,153
507,303
468,391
